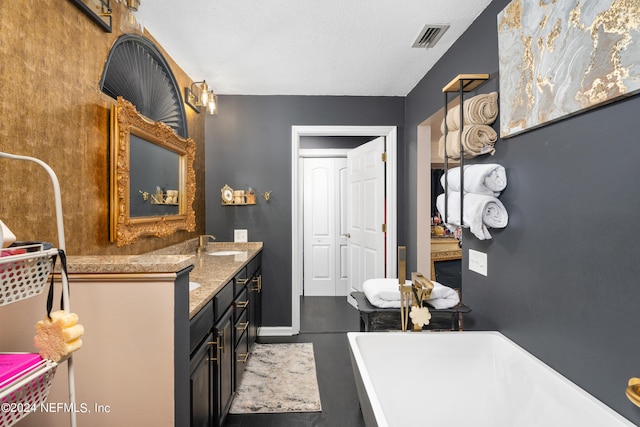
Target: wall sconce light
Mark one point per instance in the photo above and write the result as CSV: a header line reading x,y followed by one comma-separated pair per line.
x,y
200,95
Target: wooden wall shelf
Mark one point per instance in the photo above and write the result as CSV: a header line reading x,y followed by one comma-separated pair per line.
x,y
468,82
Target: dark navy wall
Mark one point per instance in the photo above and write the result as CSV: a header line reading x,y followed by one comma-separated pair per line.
x,y
563,276
249,144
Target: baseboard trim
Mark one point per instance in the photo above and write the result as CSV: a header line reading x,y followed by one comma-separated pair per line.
x,y
275,331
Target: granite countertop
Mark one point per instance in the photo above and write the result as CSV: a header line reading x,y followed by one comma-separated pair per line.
x,y
211,272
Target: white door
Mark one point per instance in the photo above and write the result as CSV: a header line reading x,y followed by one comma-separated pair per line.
x,y
324,217
366,213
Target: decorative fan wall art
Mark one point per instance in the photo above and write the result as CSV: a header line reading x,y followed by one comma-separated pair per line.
x,y
137,71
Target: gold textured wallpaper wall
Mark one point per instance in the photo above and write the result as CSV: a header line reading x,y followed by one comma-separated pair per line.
x,y
51,107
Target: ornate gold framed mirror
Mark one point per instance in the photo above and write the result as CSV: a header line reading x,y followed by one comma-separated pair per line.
x,y
152,177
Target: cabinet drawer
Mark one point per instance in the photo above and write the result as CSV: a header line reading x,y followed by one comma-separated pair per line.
x,y
222,301
200,326
241,326
240,279
240,304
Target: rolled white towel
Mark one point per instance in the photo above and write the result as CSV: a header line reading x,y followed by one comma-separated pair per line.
x,y
443,296
383,293
480,212
488,179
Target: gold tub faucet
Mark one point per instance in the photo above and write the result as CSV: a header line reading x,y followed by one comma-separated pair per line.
x,y
203,241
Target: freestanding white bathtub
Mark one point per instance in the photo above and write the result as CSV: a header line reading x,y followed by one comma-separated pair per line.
x,y
457,379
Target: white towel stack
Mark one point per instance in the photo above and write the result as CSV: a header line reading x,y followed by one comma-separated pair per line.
x,y
483,184
385,293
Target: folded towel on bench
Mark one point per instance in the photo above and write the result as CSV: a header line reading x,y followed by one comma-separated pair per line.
x,y
385,293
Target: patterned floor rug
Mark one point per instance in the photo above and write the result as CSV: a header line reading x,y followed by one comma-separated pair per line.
x,y
278,378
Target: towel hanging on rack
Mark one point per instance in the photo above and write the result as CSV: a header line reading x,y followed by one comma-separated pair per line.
x,y
480,110
476,139
480,213
488,179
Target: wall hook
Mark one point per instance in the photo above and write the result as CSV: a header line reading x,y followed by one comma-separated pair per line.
x,y
267,195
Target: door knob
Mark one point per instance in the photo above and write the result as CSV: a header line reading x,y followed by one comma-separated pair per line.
x,y
348,235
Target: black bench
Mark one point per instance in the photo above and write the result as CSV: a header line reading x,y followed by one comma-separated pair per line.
x,y
373,318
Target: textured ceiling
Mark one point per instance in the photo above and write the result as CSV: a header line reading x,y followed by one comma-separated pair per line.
x,y
305,47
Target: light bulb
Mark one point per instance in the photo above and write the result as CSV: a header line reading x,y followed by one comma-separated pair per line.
x,y
212,105
204,93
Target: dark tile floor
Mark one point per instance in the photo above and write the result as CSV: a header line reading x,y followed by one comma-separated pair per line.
x,y
324,322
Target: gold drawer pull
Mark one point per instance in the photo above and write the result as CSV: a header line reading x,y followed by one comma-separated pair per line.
x,y
241,281
217,344
243,357
242,304
224,339
242,326
258,282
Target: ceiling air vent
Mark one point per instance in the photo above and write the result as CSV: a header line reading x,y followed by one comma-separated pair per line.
x,y
430,35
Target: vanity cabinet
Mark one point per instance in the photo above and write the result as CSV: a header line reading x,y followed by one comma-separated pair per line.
x,y
221,335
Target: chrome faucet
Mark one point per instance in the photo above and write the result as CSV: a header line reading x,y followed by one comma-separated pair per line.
x,y
203,241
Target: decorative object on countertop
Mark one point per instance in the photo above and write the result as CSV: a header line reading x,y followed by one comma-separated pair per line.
x,y
131,218
278,378
537,79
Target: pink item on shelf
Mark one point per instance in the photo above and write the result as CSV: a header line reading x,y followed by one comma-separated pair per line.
x,y
13,365
10,252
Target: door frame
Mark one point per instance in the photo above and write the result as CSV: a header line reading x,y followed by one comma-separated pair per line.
x,y
391,135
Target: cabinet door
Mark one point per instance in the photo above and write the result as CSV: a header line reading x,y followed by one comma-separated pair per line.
x,y
224,380
255,307
202,365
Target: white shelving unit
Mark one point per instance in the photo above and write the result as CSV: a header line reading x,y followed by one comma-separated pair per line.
x,y
24,276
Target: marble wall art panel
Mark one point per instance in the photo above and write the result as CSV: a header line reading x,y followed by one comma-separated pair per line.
x,y
560,57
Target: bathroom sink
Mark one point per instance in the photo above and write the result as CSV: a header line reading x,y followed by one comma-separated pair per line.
x,y
225,253
193,286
